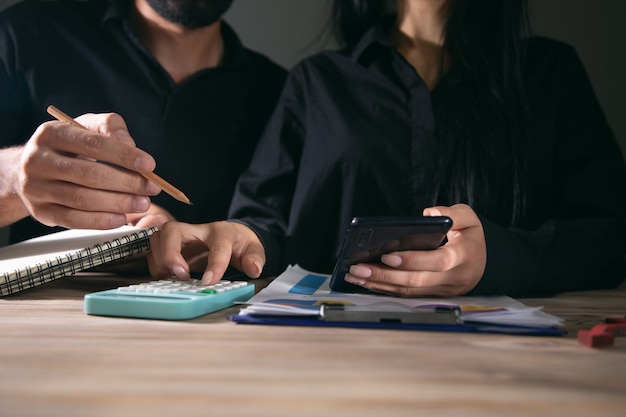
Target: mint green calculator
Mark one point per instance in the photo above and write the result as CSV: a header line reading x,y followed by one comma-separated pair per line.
x,y
167,299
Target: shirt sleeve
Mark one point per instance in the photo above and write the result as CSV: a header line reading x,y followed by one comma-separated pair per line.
x,y
13,90
264,193
580,243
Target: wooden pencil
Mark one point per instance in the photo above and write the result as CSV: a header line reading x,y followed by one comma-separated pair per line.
x,y
150,176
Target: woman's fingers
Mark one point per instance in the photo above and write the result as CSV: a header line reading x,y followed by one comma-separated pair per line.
x,y
217,245
452,269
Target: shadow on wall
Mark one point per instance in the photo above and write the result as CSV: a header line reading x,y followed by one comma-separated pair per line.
x,y
5,3
597,31
285,30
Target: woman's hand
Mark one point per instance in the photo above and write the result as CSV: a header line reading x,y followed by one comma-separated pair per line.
x,y
156,216
180,248
450,270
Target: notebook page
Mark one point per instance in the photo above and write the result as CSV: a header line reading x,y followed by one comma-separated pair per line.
x,y
38,250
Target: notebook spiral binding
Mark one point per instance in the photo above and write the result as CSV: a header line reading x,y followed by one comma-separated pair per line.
x,y
34,275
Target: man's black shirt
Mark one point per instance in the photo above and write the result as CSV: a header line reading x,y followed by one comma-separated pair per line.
x,y
83,58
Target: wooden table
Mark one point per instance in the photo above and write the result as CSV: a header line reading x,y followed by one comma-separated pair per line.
x,y
57,361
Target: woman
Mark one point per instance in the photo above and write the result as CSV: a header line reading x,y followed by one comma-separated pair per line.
x,y
443,109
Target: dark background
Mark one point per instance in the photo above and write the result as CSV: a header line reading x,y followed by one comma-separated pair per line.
x,y
289,30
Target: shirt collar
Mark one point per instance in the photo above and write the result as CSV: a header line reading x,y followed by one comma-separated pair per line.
x,y
234,51
117,10
374,37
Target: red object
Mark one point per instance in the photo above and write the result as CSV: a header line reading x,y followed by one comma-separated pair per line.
x,y
602,335
595,340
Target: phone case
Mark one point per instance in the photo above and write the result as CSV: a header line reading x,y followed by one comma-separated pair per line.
x,y
368,238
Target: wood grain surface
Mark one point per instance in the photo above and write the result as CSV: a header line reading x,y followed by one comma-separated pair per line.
x,y
57,361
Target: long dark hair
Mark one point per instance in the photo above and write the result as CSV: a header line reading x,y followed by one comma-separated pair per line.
x,y
480,110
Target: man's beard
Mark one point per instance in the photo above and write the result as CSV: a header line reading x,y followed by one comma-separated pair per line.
x,y
191,13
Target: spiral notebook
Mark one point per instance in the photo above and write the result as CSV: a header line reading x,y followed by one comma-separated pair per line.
x,y
43,259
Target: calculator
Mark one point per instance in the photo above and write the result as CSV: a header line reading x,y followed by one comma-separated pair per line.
x,y
167,299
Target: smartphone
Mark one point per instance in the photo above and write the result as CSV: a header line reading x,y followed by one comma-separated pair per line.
x,y
368,238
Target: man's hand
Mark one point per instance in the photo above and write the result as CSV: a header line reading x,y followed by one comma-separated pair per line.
x,y
79,178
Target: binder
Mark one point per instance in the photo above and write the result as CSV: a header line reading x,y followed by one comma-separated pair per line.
x,y
313,321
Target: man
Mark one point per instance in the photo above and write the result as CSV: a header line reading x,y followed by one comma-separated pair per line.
x,y
167,84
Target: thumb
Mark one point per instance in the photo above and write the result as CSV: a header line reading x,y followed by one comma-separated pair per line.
x,y
434,211
462,215
253,259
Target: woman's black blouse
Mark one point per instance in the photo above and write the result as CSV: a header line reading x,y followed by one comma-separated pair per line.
x,y
353,135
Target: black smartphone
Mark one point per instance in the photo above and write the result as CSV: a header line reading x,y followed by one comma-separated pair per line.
x,y
368,238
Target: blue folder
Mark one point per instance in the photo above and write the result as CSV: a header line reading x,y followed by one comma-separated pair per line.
x,y
465,327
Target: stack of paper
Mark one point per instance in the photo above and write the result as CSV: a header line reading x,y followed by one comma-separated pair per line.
x,y
301,293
